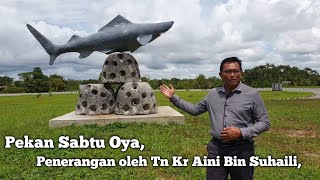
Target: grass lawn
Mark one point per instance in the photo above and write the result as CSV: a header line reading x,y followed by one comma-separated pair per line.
x,y
294,130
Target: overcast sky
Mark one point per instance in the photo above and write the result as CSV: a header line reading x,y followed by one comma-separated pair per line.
x,y
204,32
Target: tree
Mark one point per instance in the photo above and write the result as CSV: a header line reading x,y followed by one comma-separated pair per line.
x,y
35,81
215,81
56,83
202,82
145,79
72,85
174,81
13,89
266,75
90,81
5,80
155,83
184,84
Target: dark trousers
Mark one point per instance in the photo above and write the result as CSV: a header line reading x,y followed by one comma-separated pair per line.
x,y
243,150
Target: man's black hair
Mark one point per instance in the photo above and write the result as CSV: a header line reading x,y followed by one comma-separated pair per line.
x,y
230,60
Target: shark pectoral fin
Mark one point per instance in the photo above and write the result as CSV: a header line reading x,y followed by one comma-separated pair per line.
x,y
74,37
144,39
84,54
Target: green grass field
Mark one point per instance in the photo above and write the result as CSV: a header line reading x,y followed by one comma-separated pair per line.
x,y
294,130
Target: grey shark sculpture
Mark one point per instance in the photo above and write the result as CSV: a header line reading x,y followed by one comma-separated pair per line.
x,y
117,36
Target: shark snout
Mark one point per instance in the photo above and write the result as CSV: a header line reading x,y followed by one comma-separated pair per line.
x,y
164,27
168,25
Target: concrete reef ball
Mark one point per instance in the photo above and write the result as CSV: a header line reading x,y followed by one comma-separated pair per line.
x,y
136,98
120,68
95,99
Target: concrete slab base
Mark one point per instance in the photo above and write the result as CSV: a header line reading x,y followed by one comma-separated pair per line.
x,y
165,115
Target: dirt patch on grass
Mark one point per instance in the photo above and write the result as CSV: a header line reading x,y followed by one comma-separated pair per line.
x,y
299,133
309,154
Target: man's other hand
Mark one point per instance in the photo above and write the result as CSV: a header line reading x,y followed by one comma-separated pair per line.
x,y
230,133
166,91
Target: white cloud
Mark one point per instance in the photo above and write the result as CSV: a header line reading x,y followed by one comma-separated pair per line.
x,y
298,42
204,33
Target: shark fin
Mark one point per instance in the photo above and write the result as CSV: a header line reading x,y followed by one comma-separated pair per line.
x,y
116,21
51,49
74,37
52,58
84,54
144,39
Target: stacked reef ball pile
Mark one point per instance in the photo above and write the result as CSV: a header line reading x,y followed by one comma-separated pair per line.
x,y
132,97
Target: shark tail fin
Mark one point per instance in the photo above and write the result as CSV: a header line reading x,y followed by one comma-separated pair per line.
x,y
45,43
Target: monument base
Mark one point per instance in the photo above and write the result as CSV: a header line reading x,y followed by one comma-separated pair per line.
x,y
165,115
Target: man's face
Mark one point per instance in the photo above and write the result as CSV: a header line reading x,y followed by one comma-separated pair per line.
x,y
231,74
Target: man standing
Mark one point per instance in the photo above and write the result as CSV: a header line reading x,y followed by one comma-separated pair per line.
x,y
237,115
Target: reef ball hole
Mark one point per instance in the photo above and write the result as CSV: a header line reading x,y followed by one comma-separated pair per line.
x,y
107,86
112,75
120,56
128,94
151,94
104,74
104,106
129,61
146,106
135,101
111,103
84,103
118,105
93,107
103,94
122,73
126,107
154,105
88,85
106,62
114,63
122,88
80,95
144,95
94,91
133,74
134,85
78,106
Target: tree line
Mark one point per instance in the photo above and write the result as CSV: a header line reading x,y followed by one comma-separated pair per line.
x,y
259,76
36,82
265,75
